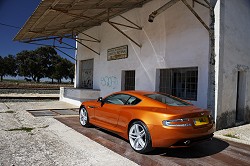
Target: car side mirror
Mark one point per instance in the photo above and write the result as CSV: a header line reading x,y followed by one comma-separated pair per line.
x,y
99,99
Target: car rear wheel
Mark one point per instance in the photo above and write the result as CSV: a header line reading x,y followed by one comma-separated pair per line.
x,y
83,117
139,137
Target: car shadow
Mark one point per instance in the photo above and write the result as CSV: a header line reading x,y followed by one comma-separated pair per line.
x,y
198,150
110,133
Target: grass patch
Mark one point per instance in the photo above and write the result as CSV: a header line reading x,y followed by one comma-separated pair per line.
x,y
231,135
9,112
27,129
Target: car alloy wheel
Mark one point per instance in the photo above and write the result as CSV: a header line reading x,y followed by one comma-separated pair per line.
x,y
139,137
83,117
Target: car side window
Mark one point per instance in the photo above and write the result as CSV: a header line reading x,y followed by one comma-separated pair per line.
x,y
133,101
119,99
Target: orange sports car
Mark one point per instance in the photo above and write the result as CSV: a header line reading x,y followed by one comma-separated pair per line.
x,y
149,119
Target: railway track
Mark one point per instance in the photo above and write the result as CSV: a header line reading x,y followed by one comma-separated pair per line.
x,y
28,94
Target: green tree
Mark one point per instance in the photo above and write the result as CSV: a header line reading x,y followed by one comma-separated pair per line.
x,y
45,56
72,72
8,66
63,69
26,64
69,69
59,71
51,70
2,72
35,64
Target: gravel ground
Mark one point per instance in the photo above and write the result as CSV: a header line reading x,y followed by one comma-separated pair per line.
x,y
49,142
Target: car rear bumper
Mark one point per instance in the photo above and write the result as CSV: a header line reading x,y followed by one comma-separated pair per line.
x,y
179,136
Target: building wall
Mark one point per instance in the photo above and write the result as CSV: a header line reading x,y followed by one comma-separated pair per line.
x,y
175,39
233,56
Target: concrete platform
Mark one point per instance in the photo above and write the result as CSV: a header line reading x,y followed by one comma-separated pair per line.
x,y
76,95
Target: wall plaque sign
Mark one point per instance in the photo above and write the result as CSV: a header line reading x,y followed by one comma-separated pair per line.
x,y
117,53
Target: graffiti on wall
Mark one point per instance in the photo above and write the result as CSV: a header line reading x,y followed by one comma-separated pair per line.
x,y
109,82
87,81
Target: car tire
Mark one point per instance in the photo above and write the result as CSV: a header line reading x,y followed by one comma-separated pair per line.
x,y
139,137
83,117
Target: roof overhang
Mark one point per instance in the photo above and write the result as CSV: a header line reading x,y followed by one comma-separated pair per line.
x,y
63,18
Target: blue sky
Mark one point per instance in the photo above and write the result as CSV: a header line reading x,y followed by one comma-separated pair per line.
x,y
16,13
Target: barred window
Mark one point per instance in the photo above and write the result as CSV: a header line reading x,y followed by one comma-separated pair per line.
x,y
129,83
180,82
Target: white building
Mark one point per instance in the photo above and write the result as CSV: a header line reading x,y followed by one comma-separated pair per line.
x,y
177,53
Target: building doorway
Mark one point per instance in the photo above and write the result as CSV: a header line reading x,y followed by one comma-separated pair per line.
x,y
87,74
240,100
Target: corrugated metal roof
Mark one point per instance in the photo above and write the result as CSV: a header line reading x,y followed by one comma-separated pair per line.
x,y
69,17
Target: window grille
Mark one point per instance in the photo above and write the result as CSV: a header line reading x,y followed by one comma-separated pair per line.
x,y
180,82
129,83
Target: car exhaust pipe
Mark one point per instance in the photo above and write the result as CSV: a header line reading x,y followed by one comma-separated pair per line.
x,y
187,142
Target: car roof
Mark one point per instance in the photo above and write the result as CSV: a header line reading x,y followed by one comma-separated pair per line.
x,y
142,95
137,92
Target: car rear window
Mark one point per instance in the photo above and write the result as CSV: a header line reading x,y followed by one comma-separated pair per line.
x,y
167,99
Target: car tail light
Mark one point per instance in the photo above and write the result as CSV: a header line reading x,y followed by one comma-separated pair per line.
x,y
177,122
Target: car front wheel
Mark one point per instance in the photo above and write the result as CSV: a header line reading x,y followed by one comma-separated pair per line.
x,y
139,137
83,117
